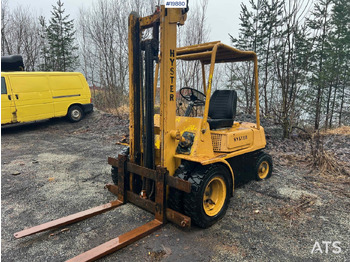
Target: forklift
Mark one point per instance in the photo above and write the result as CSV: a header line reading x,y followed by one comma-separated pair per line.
x,y
180,168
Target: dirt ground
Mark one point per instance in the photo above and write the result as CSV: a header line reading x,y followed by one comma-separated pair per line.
x,y
54,168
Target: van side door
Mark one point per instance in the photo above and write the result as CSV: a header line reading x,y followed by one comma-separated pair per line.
x,y
67,89
8,108
32,96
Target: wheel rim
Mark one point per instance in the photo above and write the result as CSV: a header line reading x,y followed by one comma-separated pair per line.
x,y
263,170
76,114
214,196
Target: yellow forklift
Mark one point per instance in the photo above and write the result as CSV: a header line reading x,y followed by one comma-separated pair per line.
x,y
180,168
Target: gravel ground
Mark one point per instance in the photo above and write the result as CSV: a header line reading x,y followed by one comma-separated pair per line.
x,y
54,168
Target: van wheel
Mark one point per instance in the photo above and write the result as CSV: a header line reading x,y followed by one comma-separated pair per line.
x,y
75,114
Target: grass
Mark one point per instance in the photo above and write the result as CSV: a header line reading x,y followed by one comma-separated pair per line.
x,y
344,130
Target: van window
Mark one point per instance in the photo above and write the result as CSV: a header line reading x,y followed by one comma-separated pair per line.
x,y
3,86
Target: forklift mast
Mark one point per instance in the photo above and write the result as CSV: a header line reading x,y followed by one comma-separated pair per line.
x,y
141,91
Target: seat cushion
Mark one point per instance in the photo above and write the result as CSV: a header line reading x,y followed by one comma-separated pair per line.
x,y
222,109
220,123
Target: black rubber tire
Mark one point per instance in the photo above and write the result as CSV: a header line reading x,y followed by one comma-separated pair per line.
x,y
193,202
75,113
175,198
114,173
259,159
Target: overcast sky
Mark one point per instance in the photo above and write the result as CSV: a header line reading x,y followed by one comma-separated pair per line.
x,y
222,15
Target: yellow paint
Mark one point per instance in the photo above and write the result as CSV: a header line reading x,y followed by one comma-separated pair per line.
x,y
8,108
210,80
237,138
263,170
157,141
41,95
191,128
214,196
169,20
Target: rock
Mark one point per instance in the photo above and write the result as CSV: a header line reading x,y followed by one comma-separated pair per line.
x,y
87,229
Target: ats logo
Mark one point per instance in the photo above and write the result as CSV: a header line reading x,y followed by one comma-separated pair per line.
x,y
326,246
240,138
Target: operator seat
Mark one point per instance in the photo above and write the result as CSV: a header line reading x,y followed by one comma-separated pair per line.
x,y
222,109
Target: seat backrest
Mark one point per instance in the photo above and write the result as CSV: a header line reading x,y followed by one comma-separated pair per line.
x,y
223,104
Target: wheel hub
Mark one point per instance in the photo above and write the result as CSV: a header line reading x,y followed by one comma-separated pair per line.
x,y
76,114
263,170
214,196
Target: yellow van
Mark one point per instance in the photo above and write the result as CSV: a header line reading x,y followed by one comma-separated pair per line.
x,y
31,96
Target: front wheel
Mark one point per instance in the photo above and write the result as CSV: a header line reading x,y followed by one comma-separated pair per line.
x,y
75,113
209,198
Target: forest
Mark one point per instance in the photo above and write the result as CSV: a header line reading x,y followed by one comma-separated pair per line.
x,y
303,49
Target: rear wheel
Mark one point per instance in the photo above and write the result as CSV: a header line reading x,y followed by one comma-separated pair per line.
x,y
263,166
75,113
208,201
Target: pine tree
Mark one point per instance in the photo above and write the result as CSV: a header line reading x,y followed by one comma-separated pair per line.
x,y
248,39
258,32
61,54
339,58
275,31
44,54
320,23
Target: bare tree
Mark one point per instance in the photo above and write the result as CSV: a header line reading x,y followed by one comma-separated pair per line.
x,y
195,31
103,40
259,24
321,24
277,33
20,35
240,78
291,62
5,21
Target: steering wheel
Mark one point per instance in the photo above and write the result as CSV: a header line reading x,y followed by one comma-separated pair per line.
x,y
193,95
